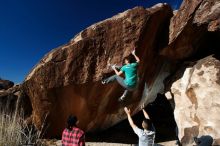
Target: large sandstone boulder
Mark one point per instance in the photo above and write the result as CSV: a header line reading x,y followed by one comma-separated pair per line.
x,y
194,29
197,101
67,79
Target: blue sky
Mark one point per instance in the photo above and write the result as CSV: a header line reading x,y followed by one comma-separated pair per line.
x,y
31,28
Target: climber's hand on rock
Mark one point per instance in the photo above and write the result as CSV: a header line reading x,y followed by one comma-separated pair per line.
x,y
127,111
113,66
142,106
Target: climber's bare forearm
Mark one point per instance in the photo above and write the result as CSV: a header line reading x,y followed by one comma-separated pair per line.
x,y
117,72
145,114
128,112
131,121
137,58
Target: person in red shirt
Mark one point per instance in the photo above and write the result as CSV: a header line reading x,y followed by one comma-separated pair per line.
x,y
73,136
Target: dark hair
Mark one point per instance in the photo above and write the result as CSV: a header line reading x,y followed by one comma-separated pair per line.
x,y
71,122
149,123
130,59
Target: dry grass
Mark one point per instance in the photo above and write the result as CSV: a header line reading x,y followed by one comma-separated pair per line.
x,y
14,130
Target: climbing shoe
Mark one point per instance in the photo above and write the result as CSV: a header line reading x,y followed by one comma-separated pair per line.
x,y
104,82
121,98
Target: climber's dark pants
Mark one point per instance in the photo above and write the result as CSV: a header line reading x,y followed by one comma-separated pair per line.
x,y
120,80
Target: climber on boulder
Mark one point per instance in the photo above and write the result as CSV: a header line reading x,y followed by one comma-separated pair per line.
x,y
130,72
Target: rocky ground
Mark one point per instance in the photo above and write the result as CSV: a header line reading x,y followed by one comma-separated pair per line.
x,y
58,143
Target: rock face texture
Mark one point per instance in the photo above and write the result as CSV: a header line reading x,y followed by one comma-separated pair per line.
x,y
8,99
197,101
5,84
13,99
194,29
68,79
8,96
194,34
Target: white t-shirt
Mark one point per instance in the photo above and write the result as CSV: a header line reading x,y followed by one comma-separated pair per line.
x,y
146,137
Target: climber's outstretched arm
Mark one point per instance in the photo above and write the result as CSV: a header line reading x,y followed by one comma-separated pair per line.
x,y
145,113
116,71
128,112
135,56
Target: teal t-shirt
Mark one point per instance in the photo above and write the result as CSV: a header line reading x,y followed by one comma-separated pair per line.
x,y
130,71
